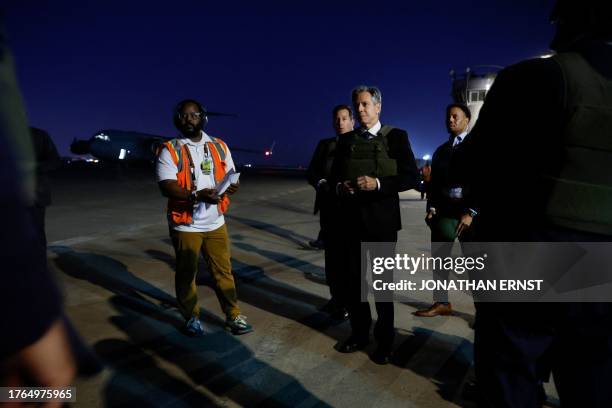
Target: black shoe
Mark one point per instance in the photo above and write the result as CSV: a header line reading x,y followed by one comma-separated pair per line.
x,y
353,344
382,356
317,244
339,313
329,307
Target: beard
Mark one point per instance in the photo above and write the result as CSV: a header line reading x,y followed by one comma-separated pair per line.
x,y
190,130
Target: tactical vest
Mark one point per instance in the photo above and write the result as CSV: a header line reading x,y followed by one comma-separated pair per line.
x,y
358,156
581,193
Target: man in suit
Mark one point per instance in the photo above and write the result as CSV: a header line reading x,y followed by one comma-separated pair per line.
x,y
566,102
446,210
318,175
369,211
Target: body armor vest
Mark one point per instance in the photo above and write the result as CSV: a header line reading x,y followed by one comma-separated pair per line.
x,y
581,193
358,156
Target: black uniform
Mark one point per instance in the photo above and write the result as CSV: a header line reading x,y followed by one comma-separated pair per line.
x,y
517,140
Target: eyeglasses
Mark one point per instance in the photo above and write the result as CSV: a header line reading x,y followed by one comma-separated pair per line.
x,y
190,115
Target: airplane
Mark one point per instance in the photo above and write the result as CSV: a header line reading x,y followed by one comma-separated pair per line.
x,y
114,145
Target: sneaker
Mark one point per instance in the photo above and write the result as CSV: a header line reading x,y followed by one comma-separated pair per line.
x,y
194,328
238,325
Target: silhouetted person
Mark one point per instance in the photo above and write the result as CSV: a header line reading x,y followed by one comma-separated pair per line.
x,y
318,174
558,110
47,159
38,347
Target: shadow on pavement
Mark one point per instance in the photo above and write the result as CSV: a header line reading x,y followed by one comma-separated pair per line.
x,y
218,361
291,236
451,376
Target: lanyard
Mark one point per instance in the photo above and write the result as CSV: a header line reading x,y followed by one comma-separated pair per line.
x,y
191,169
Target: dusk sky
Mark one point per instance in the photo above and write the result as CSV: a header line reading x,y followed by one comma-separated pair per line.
x,y
280,65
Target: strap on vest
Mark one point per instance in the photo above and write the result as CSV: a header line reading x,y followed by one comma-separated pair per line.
x,y
219,147
385,130
581,191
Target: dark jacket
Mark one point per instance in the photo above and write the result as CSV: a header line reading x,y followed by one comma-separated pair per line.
x,y
47,159
378,212
445,176
320,167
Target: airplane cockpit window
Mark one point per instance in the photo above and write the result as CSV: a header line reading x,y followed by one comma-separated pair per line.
x,y
102,136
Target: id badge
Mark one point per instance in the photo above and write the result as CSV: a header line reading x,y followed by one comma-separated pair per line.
x,y
206,166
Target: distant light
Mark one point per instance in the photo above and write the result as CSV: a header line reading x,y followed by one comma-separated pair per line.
x,y
268,153
546,56
122,154
426,157
248,165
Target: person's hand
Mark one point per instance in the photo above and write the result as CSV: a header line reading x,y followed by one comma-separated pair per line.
x,y
464,223
429,217
232,189
345,188
48,362
366,183
323,186
208,195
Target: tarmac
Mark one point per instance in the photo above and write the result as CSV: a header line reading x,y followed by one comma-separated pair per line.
x,y
109,247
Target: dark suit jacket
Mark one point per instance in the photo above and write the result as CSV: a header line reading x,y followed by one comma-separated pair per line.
x,y
320,167
378,212
443,177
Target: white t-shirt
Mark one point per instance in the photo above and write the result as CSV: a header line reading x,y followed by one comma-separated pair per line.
x,y
206,216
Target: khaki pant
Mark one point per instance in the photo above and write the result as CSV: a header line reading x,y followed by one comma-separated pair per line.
x,y
216,248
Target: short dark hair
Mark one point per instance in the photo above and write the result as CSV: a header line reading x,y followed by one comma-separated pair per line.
x,y
179,107
461,106
338,108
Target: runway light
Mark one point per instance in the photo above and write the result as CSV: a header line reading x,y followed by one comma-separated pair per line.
x,y
426,157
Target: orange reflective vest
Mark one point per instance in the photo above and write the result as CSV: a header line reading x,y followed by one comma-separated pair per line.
x,y
180,212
